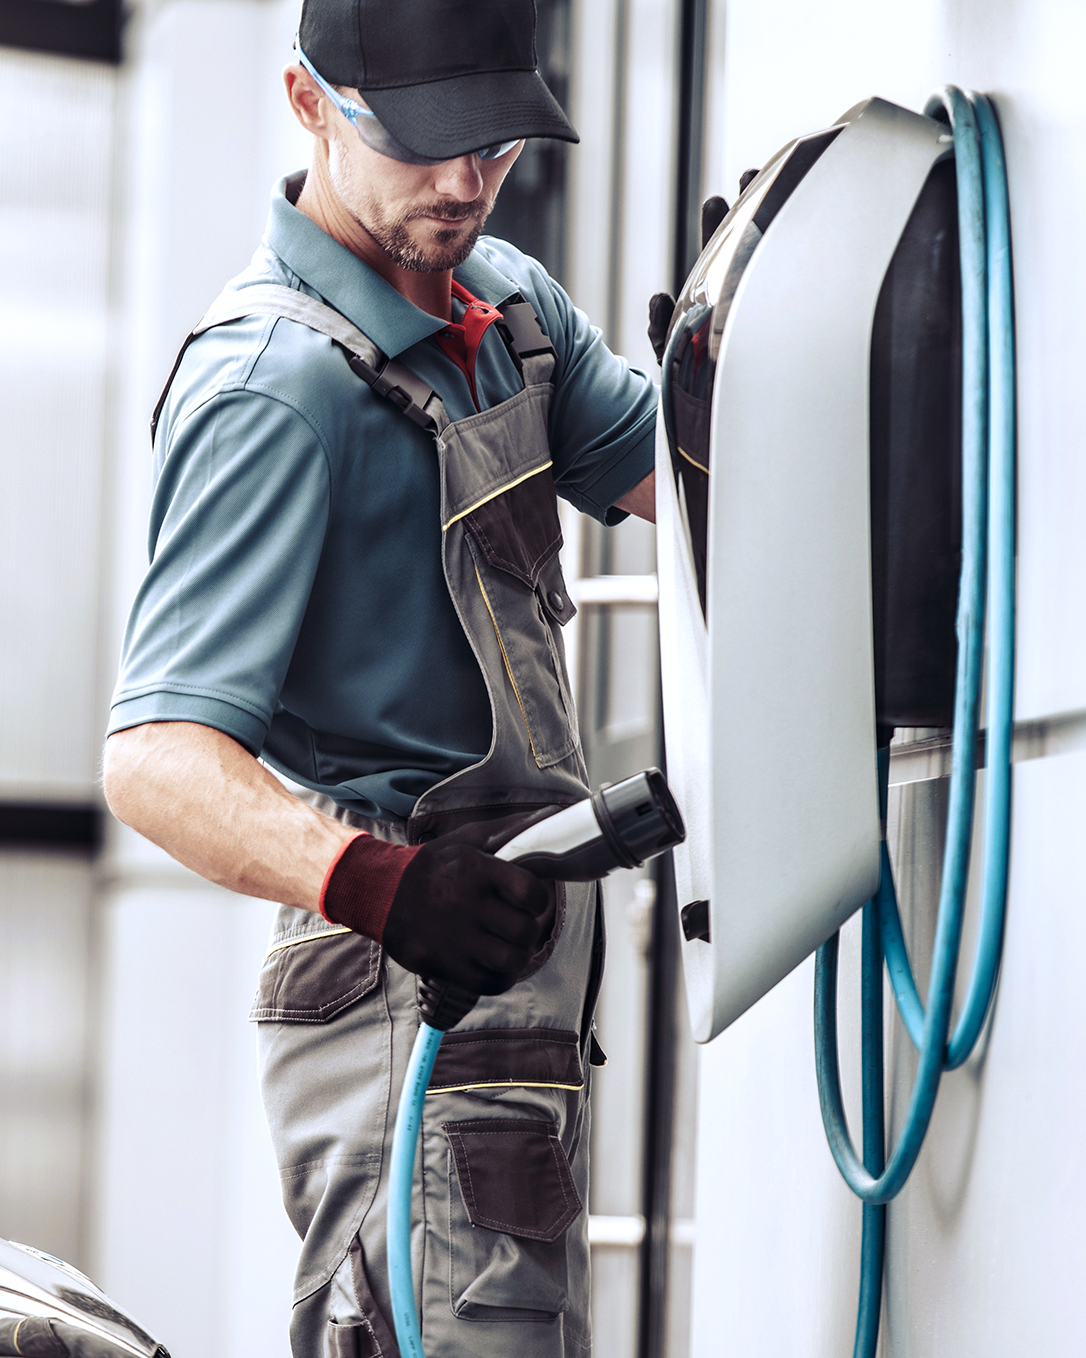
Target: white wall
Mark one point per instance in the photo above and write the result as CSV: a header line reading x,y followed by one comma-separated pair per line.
x,y
132,1140
189,1232
985,1246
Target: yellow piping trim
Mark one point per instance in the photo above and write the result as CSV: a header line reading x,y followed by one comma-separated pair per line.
x,y
500,1084
495,493
306,938
684,453
508,667
15,1336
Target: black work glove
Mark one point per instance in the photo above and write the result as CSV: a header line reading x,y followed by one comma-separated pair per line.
x,y
662,304
461,915
713,212
661,310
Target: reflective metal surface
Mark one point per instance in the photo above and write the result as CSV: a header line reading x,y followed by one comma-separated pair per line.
x,y
36,1285
698,325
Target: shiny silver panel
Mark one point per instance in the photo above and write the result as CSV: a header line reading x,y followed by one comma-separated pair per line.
x,y
37,1284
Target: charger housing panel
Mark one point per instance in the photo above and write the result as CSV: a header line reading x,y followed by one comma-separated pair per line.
x,y
766,609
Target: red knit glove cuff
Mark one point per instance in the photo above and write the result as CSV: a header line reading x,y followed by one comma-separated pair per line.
x,y
361,883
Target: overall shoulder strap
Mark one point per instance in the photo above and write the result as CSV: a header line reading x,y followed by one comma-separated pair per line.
x,y
388,377
527,341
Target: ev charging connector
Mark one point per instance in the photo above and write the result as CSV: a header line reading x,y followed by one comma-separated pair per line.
x,y
621,825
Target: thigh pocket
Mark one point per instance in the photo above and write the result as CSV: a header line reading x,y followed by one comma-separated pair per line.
x,y
313,978
511,1200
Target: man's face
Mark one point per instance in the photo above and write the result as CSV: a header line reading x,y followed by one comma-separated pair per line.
x,y
427,218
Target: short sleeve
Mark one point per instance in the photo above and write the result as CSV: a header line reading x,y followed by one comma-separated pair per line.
x,y
238,522
603,419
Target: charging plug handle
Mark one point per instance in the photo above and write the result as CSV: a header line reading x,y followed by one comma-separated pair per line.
x,y
628,823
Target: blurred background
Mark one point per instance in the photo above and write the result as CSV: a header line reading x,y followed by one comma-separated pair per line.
x,y
138,147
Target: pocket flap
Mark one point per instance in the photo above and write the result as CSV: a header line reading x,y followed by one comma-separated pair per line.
x,y
514,1176
491,1058
518,531
313,978
554,594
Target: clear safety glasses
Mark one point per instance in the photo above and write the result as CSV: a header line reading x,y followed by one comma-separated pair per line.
x,y
379,138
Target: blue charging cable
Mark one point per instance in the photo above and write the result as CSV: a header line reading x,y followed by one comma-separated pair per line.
x,y
401,1177
441,1006
987,584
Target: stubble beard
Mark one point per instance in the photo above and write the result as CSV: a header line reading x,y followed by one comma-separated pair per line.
x,y
447,248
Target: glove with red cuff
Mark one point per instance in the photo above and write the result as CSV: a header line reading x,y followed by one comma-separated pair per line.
x,y
443,909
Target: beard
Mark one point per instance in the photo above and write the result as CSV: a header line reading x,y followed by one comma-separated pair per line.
x,y
446,249
439,249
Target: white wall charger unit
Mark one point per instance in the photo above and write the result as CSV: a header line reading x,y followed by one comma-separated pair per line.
x,y
764,554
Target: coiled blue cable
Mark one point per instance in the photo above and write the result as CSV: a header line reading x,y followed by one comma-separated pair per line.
x,y
401,1178
988,482
1000,644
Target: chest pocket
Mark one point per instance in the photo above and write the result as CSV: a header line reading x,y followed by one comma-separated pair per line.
x,y
509,522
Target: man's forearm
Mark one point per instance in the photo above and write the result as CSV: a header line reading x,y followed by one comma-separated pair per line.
x,y
204,799
641,500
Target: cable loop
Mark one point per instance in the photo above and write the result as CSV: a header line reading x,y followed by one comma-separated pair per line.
x,y
987,585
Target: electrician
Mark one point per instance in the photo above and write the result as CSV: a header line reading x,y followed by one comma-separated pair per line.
x,y
355,583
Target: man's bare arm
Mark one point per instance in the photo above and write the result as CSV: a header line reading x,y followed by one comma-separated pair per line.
x,y
641,500
204,799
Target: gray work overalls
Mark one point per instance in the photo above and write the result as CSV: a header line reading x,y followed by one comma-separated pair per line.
x,y
500,1245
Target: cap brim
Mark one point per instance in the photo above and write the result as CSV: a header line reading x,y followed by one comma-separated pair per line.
x,y
448,118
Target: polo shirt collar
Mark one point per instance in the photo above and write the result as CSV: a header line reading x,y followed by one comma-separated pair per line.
x,y
482,280
353,288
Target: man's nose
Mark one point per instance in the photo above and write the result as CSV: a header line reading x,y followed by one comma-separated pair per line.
x,y
460,178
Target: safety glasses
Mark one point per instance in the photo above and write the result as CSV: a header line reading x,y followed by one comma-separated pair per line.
x,y
379,138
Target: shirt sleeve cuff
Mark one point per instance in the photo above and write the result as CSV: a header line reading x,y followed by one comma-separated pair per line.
x,y
241,726
629,469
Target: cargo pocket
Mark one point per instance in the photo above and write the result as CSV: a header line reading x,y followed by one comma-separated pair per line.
x,y
352,1341
313,978
500,1058
369,1336
511,1200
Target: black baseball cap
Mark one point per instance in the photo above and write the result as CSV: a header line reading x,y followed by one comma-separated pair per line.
x,y
443,76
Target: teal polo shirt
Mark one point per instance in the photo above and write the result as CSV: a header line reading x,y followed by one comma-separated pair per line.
x,y
295,598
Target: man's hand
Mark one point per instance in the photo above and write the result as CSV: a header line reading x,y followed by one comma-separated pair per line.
x,y
467,917
447,909
662,304
661,310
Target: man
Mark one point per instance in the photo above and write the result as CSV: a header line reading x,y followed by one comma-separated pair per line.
x,y
355,577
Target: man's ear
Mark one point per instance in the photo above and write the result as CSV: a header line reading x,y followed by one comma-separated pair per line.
x,y
308,101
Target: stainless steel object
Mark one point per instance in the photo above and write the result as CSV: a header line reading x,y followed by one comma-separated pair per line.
x,y
36,1287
